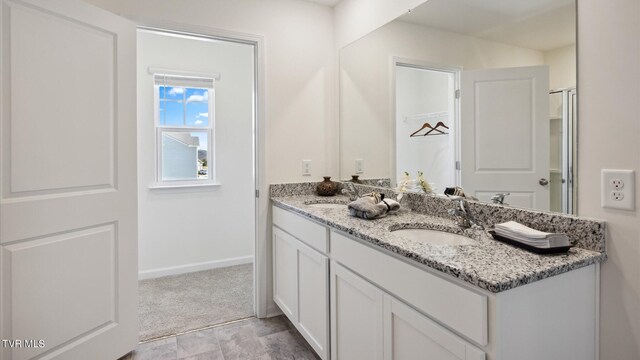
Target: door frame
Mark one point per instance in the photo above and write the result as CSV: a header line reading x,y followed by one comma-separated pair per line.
x,y
260,251
424,65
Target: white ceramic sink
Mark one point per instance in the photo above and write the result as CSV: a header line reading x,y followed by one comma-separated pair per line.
x,y
433,237
328,206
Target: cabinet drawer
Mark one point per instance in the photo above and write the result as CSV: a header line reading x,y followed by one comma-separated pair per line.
x,y
312,234
458,308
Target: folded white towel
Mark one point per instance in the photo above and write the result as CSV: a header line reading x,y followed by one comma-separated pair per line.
x,y
524,234
522,230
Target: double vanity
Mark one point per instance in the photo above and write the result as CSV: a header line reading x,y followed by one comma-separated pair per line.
x,y
415,285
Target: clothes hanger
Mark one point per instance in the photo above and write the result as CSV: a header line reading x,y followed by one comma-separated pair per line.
x,y
440,123
424,126
435,128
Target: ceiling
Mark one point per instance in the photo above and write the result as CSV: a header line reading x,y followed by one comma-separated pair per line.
x,y
330,3
541,24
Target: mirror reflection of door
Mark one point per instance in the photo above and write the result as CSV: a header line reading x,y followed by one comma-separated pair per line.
x,y
505,134
425,97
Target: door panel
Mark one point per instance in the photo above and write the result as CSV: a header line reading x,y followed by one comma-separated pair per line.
x,y
285,273
410,335
505,134
503,121
40,293
84,146
68,234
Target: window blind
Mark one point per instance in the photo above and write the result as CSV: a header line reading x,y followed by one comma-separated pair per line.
x,y
183,81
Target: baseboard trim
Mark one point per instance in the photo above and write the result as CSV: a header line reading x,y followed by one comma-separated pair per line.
x,y
273,310
183,269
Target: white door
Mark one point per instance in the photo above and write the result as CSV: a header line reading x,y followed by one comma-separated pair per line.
x,y
68,237
504,138
409,335
356,317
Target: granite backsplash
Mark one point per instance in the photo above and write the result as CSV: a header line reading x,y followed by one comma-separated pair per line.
x,y
583,232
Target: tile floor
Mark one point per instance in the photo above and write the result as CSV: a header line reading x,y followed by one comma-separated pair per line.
x,y
274,338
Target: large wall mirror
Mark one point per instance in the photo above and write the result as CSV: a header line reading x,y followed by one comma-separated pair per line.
x,y
473,93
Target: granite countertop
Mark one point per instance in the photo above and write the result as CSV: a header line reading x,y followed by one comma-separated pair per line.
x,y
487,264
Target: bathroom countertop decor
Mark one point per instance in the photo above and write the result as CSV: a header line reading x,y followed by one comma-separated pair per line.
x,y
487,264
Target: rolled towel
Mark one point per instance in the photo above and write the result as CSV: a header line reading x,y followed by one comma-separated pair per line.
x,y
392,205
367,208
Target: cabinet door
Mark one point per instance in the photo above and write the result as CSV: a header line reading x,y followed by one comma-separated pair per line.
x,y
313,298
409,335
285,271
356,317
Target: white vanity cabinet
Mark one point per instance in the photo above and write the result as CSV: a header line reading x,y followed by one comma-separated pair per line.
x,y
352,300
427,316
301,276
369,324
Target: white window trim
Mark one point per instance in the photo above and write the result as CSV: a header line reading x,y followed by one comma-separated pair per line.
x,y
210,181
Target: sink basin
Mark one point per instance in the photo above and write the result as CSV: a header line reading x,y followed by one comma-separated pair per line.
x,y
433,237
328,205
339,203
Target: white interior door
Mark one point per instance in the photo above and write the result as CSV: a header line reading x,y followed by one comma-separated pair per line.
x,y
68,234
504,126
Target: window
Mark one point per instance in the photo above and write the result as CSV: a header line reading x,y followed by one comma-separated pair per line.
x,y
184,127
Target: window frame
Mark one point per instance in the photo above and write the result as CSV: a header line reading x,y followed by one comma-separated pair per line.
x,y
209,129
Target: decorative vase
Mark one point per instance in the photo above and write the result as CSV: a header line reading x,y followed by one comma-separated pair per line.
x,y
327,187
355,180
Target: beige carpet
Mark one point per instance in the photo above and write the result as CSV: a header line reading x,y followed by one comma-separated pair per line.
x,y
174,304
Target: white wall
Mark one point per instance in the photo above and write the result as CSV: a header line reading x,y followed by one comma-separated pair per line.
x,y
421,91
365,83
609,129
189,229
356,18
299,68
562,67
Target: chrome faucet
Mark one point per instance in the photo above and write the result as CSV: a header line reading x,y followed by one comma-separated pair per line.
x,y
461,212
350,190
499,198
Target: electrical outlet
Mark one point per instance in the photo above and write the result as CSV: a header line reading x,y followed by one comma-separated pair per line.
x,y
617,195
617,183
618,189
306,167
359,166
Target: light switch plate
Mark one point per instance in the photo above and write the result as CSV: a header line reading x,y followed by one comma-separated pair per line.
x,y
359,166
618,189
306,167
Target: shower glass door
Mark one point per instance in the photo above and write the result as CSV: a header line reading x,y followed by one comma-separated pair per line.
x,y
562,127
